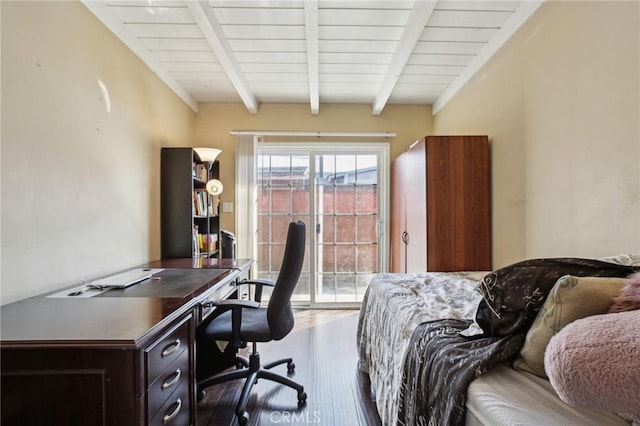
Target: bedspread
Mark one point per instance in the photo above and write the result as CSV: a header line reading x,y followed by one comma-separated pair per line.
x,y
393,306
441,363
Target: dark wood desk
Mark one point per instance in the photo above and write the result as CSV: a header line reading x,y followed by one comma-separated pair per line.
x,y
125,357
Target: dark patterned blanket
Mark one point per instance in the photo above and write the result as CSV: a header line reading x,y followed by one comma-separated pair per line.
x,y
440,362
393,306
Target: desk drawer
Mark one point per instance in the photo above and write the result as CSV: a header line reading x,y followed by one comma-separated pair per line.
x,y
175,410
164,351
173,378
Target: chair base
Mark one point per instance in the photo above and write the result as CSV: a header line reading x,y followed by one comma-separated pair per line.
x,y
251,370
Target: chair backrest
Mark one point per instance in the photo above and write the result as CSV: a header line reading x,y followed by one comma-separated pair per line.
x,y
279,312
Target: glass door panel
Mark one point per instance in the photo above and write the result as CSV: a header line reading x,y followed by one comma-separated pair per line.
x,y
346,199
283,196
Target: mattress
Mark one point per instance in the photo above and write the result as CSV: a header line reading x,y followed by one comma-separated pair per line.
x,y
504,396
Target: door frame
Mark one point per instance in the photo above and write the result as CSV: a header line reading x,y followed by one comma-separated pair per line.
x,y
313,149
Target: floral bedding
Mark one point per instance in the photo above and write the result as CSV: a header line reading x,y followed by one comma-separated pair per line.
x,y
393,306
419,335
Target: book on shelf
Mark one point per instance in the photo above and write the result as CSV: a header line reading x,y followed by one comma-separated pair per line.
x,y
196,204
207,242
202,203
195,241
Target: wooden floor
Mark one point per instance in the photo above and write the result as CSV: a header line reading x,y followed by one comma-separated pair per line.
x,y
323,347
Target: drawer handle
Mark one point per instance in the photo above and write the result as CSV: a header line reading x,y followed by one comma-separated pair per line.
x,y
169,349
171,380
168,417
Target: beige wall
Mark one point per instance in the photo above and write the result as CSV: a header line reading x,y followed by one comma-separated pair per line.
x,y
561,105
215,121
80,184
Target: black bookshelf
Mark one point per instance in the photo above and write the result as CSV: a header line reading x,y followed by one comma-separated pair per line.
x,y
186,205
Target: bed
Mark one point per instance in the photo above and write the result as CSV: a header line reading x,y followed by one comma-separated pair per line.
x,y
423,338
394,305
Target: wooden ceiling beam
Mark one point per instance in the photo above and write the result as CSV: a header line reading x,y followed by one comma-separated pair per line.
x,y
411,33
311,31
212,30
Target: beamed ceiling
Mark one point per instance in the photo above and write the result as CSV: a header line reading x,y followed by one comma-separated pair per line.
x,y
293,51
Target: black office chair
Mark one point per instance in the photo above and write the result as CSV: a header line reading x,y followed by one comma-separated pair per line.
x,y
245,321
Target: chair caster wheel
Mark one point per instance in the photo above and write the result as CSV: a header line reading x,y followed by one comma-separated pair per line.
x,y
302,398
290,367
200,395
243,419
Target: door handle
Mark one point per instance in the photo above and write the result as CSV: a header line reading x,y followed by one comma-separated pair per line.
x,y
405,237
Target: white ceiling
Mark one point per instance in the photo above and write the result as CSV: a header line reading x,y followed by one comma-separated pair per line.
x,y
300,51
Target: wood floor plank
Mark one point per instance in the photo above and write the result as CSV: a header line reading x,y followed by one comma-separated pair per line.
x,y
323,347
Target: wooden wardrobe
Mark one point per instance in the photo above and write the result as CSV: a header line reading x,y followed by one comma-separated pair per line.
x,y
440,206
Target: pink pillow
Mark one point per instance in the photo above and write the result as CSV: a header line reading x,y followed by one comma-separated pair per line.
x,y
629,297
594,362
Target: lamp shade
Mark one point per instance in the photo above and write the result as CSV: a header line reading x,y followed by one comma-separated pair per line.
x,y
207,155
214,187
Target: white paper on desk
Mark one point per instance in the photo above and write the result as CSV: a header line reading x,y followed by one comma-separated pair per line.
x,y
125,279
104,284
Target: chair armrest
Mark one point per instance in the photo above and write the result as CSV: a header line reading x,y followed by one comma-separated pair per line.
x,y
268,283
233,303
259,283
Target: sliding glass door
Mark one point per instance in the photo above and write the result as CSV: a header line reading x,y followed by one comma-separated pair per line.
x,y
346,225
339,191
283,196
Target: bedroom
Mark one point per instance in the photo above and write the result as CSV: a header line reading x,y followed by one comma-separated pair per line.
x,y
560,102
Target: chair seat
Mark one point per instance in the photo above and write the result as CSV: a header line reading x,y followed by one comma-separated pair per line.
x,y
254,327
